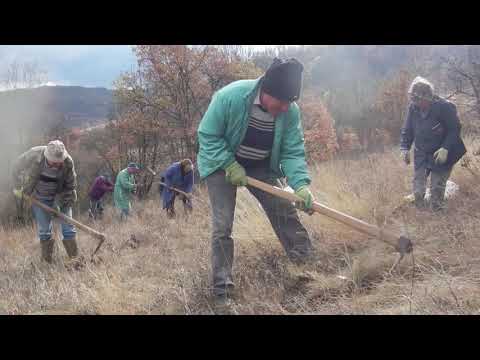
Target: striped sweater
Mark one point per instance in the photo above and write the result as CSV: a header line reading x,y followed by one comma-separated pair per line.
x,y
254,151
47,184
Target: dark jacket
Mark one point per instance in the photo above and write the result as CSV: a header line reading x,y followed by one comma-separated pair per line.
x,y
27,169
440,128
173,177
99,188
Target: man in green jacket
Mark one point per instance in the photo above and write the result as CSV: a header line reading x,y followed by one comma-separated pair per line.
x,y
124,187
253,127
47,173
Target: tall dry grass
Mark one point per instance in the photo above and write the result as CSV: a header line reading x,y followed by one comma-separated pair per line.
x,y
152,265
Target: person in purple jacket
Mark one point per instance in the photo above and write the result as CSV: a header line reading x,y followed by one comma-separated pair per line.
x,y
179,175
100,186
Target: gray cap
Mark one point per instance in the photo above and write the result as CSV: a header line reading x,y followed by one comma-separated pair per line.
x,y
55,151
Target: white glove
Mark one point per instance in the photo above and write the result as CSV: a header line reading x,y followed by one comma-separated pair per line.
x,y
405,154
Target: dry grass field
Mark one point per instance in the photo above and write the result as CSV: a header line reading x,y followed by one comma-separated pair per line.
x,y
153,265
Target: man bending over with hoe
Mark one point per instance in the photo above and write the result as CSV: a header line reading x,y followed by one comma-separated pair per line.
x,y
179,175
100,186
253,127
125,186
48,173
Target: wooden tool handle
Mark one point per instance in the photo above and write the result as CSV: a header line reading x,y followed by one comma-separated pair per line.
x,y
150,170
70,220
175,189
362,226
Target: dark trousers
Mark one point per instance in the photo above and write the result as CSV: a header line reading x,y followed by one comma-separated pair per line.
x,y
96,209
438,181
281,213
187,205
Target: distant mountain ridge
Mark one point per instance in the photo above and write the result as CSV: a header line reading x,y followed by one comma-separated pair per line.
x,y
79,106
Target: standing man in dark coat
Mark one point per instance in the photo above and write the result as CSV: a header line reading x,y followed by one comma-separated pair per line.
x,y
433,124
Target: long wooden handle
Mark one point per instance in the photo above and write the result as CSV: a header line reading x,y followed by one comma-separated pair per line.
x,y
162,183
174,189
70,220
150,170
383,235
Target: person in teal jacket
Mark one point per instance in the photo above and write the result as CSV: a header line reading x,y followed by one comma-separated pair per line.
x,y
253,127
124,187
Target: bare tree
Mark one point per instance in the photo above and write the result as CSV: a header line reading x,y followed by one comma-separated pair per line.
x,y
464,73
26,74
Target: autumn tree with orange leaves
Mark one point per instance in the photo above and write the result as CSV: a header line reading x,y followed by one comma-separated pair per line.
x,y
158,106
319,129
171,89
378,124
391,103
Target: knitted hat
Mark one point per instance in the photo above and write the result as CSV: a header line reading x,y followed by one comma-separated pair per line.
x,y
133,165
283,79
55,151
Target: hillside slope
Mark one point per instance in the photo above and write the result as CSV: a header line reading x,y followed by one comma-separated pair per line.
x,y
165,267
79,105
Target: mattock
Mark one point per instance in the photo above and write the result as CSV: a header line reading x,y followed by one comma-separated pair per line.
x,y
399,242
190,196
70,220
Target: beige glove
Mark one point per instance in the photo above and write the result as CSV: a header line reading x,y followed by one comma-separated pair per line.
x,y
405,154
440,156
18,193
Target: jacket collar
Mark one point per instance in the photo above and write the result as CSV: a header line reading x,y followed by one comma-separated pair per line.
x,y
252,93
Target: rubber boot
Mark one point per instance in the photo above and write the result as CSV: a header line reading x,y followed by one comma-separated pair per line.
x,y
77,262
222,302
420,201
71,247
171,213
47,250
437,201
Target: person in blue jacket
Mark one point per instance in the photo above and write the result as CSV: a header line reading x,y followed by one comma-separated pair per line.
x,y
179,175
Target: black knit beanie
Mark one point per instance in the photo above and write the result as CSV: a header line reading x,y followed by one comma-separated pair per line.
x,y
283,79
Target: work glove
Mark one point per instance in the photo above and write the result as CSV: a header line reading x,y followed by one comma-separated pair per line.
x,y
18,193
440,156
57,208
235,174
405,154
307,197
67,200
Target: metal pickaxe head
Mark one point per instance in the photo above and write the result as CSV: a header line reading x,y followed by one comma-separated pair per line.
x,y
102,239
404,245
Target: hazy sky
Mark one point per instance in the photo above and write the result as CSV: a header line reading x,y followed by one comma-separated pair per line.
x,y
84,65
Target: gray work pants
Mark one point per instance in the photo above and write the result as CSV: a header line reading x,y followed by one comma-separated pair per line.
x,y
438,181
281,213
